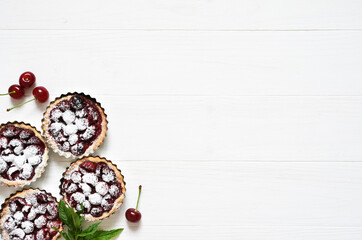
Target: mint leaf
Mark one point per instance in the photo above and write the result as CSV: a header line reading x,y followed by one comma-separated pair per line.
x,y
64,214
76,219
64,235
90,230
104,235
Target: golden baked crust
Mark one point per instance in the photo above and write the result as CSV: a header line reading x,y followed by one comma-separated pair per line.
x,y
46,122
117,203
5,209
40,168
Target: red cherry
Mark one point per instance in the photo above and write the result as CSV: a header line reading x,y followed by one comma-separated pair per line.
x,y
15,91
133,215
41,94
27,79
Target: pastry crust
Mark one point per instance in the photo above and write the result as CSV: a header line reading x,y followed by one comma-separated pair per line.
x,y
75,166
40,168
5,209
46,122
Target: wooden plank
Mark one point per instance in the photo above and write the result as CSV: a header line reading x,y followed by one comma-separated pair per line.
x,y
175,14
236,194
218,128
239,232
187,63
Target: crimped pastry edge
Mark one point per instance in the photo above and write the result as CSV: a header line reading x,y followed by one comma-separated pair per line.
x,y
46,120
75,165
40,168
20,193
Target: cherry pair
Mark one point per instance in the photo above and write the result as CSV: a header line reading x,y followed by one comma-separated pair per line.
x,y
26,80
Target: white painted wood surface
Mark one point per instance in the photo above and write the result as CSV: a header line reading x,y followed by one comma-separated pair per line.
x,y
242,119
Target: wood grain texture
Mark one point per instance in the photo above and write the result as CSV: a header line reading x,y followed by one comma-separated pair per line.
x,y
232,232
176,14
249,199
241,119
187,63
218,128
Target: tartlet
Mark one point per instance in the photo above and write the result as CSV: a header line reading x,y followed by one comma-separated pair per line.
x,y
96,183
74,125
23,154
30,214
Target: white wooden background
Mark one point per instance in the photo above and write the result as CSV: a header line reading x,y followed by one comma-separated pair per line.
x,y
242,119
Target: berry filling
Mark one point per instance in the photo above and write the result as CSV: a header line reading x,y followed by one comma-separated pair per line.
x,y
93,184
32,217
75,124
20,153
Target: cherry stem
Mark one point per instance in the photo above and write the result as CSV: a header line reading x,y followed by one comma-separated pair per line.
x,y
21,104
139,194
3,94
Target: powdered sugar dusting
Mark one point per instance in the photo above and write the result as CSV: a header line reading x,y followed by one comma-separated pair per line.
x,y
95,199
56,114
29,237
75,120
41,209
56,127
11,171
40,222
27,226
9,158
82,123
66,146
90,178
89,132
73,139
17,234
71,188
35,160
102,188
18,157
113,190
17,145
3,165
76,177
93,191
78,197
68,116
19,161
18,216
10,223
70,129
31,151
27,170
24,220
86,189
108,177
3,142
87,205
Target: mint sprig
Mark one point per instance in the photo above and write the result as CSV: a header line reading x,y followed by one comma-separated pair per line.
x,y
74,222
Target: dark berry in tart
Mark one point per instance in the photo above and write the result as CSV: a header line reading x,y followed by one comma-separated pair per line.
x,y
30,215
95,182
74,125
23,154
